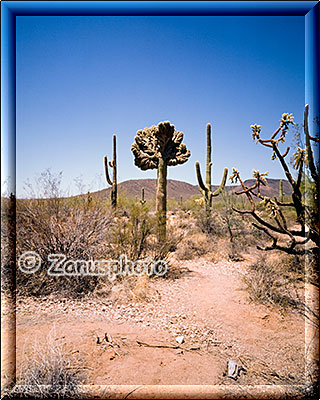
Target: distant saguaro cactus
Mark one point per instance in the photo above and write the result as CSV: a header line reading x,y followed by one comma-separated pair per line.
x,y
142,201
158,147
281,190
206,189
113,165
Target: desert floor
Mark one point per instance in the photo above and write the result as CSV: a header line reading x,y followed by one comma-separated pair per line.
x,y
207,305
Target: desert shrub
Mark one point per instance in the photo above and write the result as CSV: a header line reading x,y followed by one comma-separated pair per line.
x,y
134,289
161,250
47,227
130,232
82,228
49,373
8,244
209,223
75,227
194,245
278,280
133,233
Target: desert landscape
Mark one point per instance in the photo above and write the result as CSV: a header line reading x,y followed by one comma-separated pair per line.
x,y
160,200
230,309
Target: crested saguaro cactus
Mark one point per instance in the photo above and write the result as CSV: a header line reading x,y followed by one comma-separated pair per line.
x,y
206,189
112,164
159,147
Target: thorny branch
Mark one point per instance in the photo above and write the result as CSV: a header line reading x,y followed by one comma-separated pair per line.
x,y
306,216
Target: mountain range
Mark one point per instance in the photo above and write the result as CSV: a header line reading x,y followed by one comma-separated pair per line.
x,y
178,189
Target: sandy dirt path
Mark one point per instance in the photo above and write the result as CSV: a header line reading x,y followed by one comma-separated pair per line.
x,y
208,306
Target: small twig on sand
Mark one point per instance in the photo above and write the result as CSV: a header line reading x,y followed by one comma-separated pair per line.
x,y
167,346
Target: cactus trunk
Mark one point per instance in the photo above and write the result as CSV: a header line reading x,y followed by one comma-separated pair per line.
x,y
281,190
208,162
142,201
113,165
161,199
114,180
206,189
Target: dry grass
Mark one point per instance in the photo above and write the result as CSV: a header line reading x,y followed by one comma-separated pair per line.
x,y
49,373
278,280
192,246
133,288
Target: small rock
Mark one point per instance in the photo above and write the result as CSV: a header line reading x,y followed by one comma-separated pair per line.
x,y
234,369
180,339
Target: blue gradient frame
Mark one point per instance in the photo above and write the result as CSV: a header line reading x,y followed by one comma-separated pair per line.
x,y
11,9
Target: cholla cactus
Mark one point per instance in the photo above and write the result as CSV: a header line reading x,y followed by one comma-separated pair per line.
x,y
256,129
205,189
271,206
285,121
305,205
260,177
113,165
235,175
300,157
158,147
200,201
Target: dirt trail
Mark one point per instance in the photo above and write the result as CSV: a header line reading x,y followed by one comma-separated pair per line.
x,y
207,306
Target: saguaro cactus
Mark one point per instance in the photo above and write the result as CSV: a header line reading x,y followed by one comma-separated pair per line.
x,y
181,202
281,190
206,189
142,201
113,165
158,147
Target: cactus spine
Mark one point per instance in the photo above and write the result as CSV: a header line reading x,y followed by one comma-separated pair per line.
x,y
112,164
142,201
281,190
206,189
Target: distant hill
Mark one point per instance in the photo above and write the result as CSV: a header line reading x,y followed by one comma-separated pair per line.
x,y
176,189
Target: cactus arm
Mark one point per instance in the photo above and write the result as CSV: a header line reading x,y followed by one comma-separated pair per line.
x,y
106,170
223,183
114,173
311,164
202,187
208,161
111,164
114,143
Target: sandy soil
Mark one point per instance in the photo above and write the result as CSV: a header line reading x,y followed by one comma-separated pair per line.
x,y
208,306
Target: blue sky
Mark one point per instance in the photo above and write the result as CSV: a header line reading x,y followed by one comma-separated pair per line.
x,y
82,79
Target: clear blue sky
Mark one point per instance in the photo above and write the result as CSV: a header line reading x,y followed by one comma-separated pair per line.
x,y
82,79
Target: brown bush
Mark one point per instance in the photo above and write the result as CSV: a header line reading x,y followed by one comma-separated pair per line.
x,y
278,280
